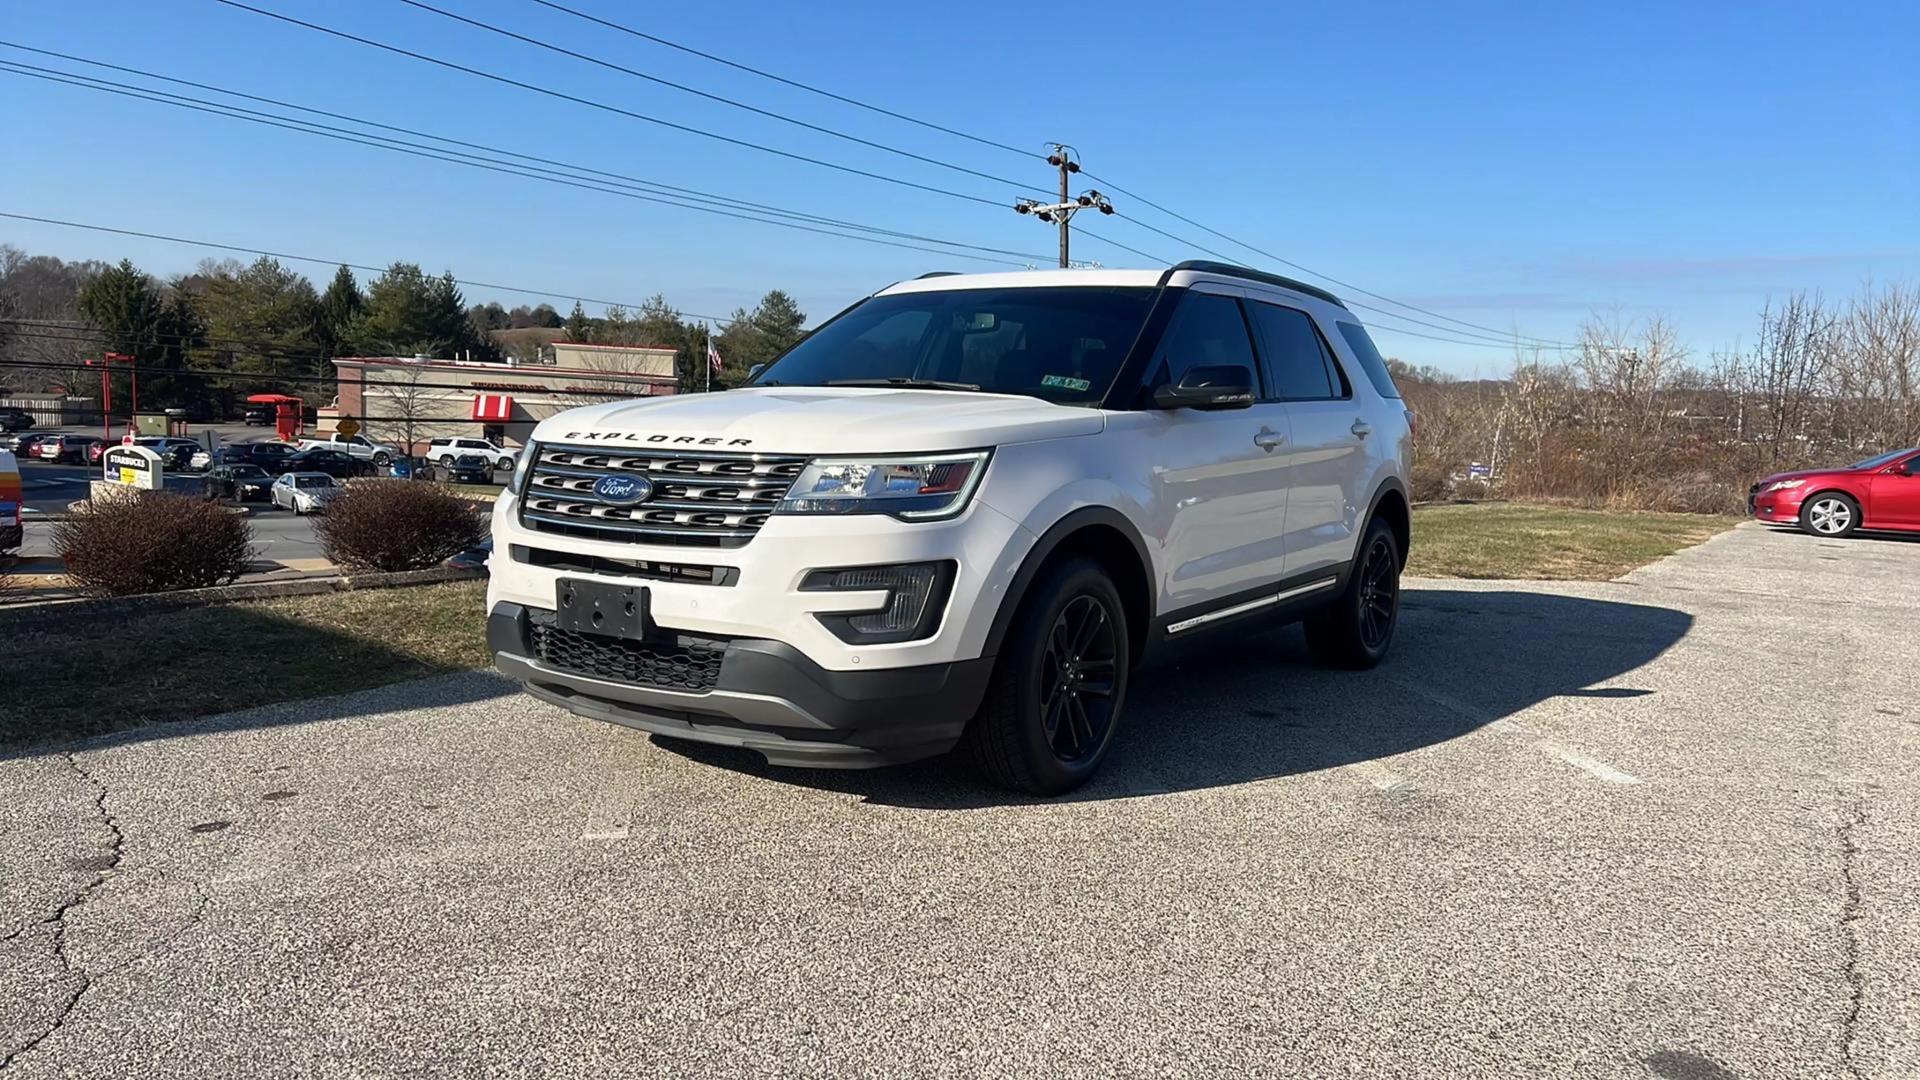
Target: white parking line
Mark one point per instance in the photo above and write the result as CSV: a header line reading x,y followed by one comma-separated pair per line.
x,y
1592,766
1376,774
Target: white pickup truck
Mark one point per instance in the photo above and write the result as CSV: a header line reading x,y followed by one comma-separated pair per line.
x,y
358,446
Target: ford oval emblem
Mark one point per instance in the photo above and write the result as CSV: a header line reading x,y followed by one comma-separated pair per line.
x,y
622,490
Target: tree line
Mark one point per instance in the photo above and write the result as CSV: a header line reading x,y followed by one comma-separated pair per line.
x,y
1630,419
208,338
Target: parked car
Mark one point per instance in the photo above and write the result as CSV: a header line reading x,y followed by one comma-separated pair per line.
x,y
271,456
97,448
1879,493
408,468
176,452
12,419
63,449
465,469
356,446
474,558
970,533
332,462
257,416
28,445
304,492
240,483
440,451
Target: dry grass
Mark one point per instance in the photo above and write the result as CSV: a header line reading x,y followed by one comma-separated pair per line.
x,y
72,678
1553,543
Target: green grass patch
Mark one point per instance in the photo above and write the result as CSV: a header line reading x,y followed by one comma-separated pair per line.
x,y
1551,543
73,678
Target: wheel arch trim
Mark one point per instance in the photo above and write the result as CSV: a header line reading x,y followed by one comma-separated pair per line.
x,y
1044,548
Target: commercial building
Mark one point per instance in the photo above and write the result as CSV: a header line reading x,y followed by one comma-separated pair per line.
x,y
400,400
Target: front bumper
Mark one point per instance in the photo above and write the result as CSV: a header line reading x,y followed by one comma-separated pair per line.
x,y
1775,508
768,698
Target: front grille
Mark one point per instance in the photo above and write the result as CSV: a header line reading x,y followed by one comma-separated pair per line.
x,y
672,662
698,499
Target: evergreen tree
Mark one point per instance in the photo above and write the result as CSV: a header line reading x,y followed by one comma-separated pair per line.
x,y
135,319
578,327
339,306
408,313
256,318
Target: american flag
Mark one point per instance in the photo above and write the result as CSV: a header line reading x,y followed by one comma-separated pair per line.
x,y
713,356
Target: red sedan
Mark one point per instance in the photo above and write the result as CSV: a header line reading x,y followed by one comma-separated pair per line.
x,y
1881,492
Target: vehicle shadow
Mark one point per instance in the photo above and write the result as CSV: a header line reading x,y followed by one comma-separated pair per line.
x,y
1248,707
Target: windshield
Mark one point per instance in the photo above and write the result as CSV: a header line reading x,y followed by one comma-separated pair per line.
x,y
1884,459
314,481
1060,344
248,472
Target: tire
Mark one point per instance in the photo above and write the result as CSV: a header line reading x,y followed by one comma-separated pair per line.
x,y
1356,631
505,464
1053,704
1830,513
382,459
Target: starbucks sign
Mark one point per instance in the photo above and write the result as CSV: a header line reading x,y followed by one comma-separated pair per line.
x,y
134,467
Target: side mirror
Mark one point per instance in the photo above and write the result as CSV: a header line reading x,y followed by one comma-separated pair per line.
x,y
754,371
1225,386
1913,466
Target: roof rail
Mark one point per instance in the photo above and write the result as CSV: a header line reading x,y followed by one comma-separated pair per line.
x,y
938,273
1208,266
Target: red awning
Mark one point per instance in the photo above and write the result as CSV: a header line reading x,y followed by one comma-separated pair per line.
x,y
495,407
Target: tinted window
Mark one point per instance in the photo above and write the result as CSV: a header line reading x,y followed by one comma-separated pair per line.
x,y
1370,359
1207,331
1297,365
1062,344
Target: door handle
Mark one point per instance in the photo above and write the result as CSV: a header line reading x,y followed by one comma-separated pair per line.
x,y
1361,429
1268,440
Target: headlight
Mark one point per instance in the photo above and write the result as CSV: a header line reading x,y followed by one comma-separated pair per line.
x,y
1784,485
522,465
911,488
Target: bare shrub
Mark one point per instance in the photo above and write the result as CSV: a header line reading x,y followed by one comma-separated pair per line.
x,y
153,542
392,525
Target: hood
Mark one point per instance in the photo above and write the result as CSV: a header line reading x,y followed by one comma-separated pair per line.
x,y
1801,474
823,420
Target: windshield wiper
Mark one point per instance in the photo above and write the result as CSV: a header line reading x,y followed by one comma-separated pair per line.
x,y
911,384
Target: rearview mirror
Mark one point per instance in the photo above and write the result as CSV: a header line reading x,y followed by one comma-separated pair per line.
x,y
1224,386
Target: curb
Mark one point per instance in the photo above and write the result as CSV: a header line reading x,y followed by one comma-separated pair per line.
x,y
60,610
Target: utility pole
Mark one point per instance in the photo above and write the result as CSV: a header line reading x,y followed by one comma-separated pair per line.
x,y
1060,156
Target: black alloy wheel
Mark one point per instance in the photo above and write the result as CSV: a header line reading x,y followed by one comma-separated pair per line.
x,y
1379,593
1077,674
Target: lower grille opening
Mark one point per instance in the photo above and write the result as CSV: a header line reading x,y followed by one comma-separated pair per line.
x,y
671,661
650,569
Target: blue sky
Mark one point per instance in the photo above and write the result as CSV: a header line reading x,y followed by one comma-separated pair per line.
x,y
1513,165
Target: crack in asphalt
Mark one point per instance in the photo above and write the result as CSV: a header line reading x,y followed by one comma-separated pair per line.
x,y
58,920
1849,940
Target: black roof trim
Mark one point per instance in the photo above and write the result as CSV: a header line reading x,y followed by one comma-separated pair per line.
x,y
938,273
1207,266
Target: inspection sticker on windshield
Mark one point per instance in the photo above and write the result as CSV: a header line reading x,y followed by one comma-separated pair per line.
x,y
1064,382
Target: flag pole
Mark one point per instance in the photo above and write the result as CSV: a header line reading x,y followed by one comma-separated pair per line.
x,y
705,361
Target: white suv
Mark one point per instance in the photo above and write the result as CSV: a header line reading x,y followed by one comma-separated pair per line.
x,y
962,511
443,451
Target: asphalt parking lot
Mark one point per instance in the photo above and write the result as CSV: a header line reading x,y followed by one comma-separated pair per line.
x,y
1664,827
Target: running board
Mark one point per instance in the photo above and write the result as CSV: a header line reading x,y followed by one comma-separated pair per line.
x,y
1254,604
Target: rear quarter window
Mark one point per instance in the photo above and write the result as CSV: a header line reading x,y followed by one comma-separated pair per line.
x,y
1370,359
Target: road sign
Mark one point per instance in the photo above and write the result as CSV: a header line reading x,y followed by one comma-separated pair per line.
x,y
347,429
133,466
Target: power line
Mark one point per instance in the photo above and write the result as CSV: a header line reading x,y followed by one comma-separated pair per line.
x,y
603,106
1497,339
656,186
1309,271
338,262
381,142
795,83
611,66
1112,187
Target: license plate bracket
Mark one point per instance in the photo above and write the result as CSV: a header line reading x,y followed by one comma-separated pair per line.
x,y
593,607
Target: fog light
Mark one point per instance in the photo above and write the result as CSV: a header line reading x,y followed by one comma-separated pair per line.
x,y
916,597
